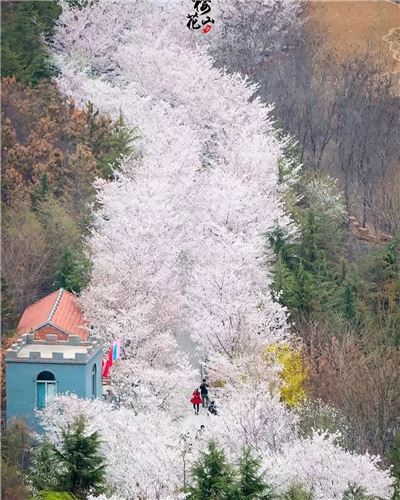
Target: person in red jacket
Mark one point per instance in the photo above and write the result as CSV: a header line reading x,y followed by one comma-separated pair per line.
x,y
196,401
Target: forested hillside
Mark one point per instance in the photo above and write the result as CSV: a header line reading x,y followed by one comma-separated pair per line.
x,y
222,234
342,111
52,152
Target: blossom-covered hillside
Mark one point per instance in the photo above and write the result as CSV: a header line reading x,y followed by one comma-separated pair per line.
x,y
179,251
182,246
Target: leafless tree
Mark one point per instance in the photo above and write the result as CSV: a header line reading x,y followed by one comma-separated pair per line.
x,y
255,32
344,113
359,375
368,122
24,254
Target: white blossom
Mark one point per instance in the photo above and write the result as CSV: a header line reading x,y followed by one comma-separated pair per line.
x,y
178,242
256,418
178,252
142,451
328,468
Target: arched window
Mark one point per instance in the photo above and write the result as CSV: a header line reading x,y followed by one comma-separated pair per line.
x,y
45,388
94,381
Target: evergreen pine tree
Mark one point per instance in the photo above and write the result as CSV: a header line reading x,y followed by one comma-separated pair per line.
x,y
23,53
277,239
250,484
391,279
108,142
82,467
9,317
74,271
305,290
285,284
43,472
298,492
349,302
41,192
385,275
394,457
117,145
310,248
213,477
44,186
355,492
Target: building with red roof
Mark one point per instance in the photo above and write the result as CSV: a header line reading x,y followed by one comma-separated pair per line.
x,y
58,313
53,354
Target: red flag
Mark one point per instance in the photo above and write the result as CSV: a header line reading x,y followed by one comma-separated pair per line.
x,y
108,363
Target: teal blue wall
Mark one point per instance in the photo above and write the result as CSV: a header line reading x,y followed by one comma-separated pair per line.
x,y
70,377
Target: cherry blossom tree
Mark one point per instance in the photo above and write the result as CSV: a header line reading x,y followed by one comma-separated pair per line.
x,y
252,415
142,452
320,462
146,389
149,454
256,418
178,241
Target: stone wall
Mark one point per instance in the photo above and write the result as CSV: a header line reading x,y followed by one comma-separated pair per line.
x,y
366,234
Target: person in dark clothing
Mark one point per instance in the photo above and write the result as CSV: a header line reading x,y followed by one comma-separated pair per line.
x,y
196,400
204,393
213,408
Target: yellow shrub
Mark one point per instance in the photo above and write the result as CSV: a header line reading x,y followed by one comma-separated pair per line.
x,y
293,372
218,384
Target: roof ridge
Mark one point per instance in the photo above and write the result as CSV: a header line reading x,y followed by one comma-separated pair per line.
x,y
55,305
39,300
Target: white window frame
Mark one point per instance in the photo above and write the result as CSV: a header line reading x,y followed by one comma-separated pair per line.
x,y
46,384
93,385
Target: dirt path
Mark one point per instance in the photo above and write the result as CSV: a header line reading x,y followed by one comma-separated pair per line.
x,y
186,344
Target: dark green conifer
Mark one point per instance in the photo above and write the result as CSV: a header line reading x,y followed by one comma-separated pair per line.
x,y
82,466
43,473
355,492
74,271
297,492
251,484
213,477
349,301
23,53
394,457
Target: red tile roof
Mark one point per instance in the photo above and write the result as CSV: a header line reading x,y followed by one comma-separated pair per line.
x,y
36,314
59,309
